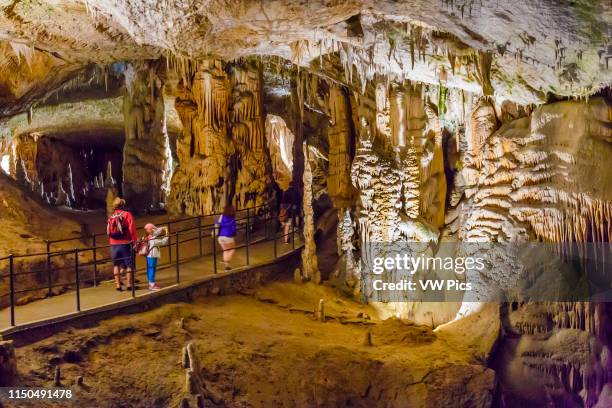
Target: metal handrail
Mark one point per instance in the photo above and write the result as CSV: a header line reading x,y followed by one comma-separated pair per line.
x,y
243,224
171,222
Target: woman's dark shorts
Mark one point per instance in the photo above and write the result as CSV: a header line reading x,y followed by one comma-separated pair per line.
x,y
122,255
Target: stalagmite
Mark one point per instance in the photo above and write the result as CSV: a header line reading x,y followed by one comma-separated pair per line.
x,y
57,377
320,311
222,153
309,253
368,339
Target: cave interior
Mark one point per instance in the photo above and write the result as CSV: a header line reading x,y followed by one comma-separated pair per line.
x,y
439,123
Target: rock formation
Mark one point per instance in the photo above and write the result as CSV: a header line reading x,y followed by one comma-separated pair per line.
x,y
429,127
221,152
145,161
280,145
310,269
252,168
200,184
25,219
8,365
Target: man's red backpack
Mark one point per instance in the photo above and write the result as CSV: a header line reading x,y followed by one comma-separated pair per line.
x,y
116,228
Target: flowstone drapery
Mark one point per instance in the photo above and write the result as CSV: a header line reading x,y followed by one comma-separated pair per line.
x,y
222,151
253,169
201,180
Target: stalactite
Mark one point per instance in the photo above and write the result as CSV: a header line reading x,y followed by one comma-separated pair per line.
x,y
483,70
254,175
201,182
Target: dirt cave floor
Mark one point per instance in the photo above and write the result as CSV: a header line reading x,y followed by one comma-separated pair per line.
x,y
266,348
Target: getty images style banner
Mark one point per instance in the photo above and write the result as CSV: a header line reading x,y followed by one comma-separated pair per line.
x,y
486,272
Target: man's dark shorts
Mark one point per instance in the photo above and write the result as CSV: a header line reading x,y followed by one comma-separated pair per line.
x,y
122,255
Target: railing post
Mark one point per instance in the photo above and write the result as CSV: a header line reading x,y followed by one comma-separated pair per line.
x,y
12,287
200,234
265,213
178,242
169,249
293,232
49,280
78,279
95,260
275,249
248,224
169,245
214,245
133,269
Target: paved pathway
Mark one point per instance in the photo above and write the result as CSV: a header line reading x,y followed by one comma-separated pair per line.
x,y
105,293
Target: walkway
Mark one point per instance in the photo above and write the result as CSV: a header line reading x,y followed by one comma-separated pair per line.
x,y
259,252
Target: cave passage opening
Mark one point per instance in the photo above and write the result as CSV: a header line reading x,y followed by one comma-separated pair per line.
x,y
67,168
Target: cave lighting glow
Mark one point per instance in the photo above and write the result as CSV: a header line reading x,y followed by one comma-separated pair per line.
x,y
5,163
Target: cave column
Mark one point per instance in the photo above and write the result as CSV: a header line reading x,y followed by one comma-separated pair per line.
x,y
310,269
144,152
339,186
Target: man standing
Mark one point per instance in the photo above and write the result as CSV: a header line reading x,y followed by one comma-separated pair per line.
x,y
121,231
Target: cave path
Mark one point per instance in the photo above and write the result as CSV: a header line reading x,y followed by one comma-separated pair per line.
x,y
62,307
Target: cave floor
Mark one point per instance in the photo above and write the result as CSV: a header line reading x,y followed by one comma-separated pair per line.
x,y
265,348
105,293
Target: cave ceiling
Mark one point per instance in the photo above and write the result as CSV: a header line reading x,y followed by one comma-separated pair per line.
x,y
537,47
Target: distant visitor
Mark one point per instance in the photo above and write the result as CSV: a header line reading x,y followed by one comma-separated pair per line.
x,y
227,232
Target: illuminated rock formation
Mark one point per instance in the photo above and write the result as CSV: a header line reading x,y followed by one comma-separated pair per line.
x,y
222,151
201,182
310,268
339,185
252,167
280,145
146,138
534,176
430,122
